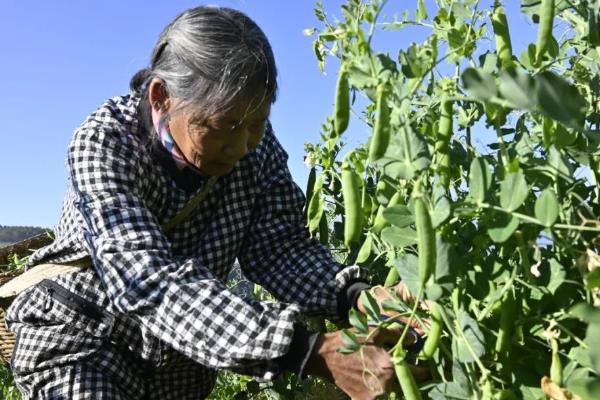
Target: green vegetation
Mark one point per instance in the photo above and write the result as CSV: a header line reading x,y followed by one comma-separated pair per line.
x,y
12,234
482,194
493,165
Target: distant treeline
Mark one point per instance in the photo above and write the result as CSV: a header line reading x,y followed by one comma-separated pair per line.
x,y
11,234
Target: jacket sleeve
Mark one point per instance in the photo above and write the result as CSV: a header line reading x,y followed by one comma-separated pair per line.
x,y
178,299
280,255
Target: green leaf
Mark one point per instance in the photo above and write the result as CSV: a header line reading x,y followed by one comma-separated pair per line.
x,y
592,339
559,165
350,340
501,227
421,13
370,305
592,280
513,191
586,312
472,336
441,211
564,137
517,86
399,216
560,100
252,386
480,179
407,266
399,237
406,154
557,275
479,84
434,292
359,321
586,388
449,390
546,207
392,305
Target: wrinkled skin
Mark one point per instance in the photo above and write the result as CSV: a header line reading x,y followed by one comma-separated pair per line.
x,y
363,375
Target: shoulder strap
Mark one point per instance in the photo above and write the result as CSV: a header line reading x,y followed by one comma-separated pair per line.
x,y
190,206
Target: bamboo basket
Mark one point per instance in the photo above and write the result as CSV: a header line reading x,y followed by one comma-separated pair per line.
x,y
21,249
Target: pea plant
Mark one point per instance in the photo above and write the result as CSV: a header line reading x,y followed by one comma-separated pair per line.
x,y
500,239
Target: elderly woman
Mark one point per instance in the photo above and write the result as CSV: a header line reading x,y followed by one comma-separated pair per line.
x,y
151,317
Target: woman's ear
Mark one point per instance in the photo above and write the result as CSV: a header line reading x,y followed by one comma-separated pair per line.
x,y
158,95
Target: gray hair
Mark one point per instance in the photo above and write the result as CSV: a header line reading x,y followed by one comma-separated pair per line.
x,y
210,57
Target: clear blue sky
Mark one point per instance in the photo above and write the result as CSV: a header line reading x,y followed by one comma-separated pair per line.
x,y
60,59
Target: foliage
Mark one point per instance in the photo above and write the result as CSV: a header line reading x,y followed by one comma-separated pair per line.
x,y
515,254
7,390
11,234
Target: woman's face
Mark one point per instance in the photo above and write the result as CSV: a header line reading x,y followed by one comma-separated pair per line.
x,y
216,144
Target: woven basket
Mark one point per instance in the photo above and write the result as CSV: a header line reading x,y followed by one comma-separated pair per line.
x,y
21,249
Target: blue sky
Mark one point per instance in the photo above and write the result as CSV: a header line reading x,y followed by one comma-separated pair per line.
x,y
60,59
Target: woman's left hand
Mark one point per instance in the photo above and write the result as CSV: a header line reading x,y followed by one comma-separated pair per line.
x,y
381,293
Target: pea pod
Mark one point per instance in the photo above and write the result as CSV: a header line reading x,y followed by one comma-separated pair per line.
x,y
593,30
381,131
315,205
341,115
435,332
507,322
545,30
425,241
312,177
443,138
323,230
556,372
352,204
502,36
487,390
380,222
392,277
405,376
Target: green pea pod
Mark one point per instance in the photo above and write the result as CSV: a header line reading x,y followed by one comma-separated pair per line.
x,y
556,371
593,32
443,138
365,251
381,131
352,205
545,30
507,322
425,241
487,390
342,103
435,332
502,36
392,277
312,177
408,385
315,208
380,222
323,230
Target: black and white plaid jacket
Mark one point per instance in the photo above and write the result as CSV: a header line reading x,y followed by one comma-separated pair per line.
x,y
123,186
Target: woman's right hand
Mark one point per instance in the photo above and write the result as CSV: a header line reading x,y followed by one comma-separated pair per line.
x,y
362,375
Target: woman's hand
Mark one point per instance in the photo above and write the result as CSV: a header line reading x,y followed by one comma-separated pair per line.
x,y
381,293
365,374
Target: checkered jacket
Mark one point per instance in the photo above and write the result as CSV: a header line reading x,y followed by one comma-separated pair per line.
x,y
122,186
